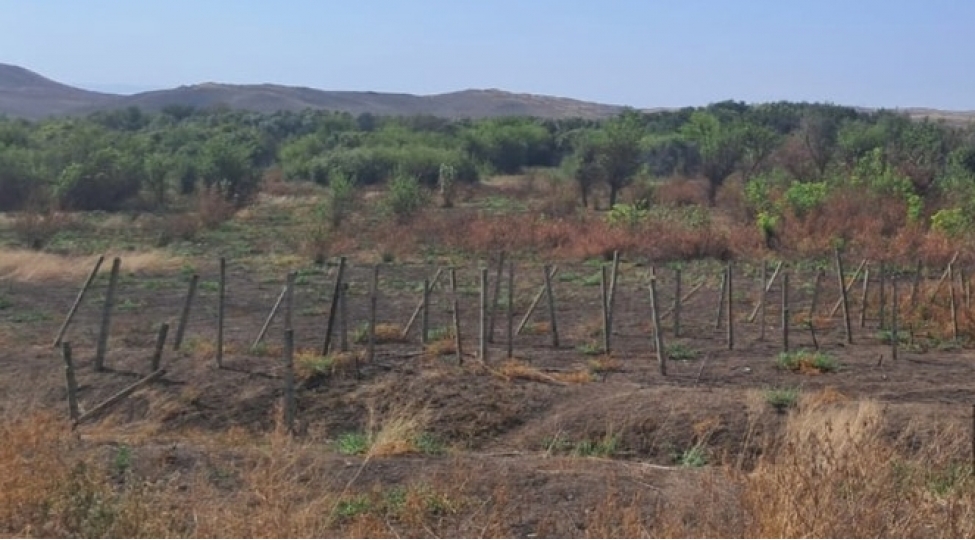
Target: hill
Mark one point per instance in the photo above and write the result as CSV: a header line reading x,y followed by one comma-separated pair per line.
x,y
28,95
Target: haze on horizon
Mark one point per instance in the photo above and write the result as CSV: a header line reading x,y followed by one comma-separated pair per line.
x,y
642,53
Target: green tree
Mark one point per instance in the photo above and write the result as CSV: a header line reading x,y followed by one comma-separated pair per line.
x,y
619,152
719,146
227,165
157,170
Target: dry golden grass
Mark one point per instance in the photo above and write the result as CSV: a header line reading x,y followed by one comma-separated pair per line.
x,y
441,347
35,266
515,369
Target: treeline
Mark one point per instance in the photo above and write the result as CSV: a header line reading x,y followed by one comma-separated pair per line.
x,y
131,159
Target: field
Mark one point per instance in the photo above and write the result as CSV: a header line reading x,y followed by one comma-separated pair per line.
x,y
565,441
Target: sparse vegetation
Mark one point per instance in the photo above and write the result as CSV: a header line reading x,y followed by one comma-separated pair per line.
x,y
805,361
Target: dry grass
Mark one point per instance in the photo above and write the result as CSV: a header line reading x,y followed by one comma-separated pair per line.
x,y
35,266
515,369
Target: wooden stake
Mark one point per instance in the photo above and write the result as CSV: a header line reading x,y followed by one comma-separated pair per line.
x,y
686,297
511,310
882,310
289,406
721,297
843,297
333,306
762,300
812,308
160,344
916,285
425,313
863,298
184,315
221,306
658,336
77,300
289,300
373,308
953,304
730,309
894,338
944,276
604,289
344,317
270,317
456,316
122,394
495,299
102,346
785,312
551,307
676,308
70,380
535,301
483,334
613,281
846,289
768,287
419,305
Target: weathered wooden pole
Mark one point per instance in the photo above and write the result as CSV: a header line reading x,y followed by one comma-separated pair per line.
x,y
496,298
289,300
785,312
102,346
373,308
863,297
289,407
604,304
730,308
812,308
72,382
676,308
483,334
894,337
221,307
425,314
77,300
160,345
270,317
184,315
535,301
344,317
953,303
455,308
843,297
658,336
333,306
549,293
762,300
721,299
510,334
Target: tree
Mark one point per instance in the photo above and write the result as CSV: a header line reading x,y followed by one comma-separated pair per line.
x,y
719,145
619,152
226,165
757,144
156,168
584,167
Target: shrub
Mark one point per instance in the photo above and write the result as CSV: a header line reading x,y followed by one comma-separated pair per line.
x,y
405,197
807,361
952,222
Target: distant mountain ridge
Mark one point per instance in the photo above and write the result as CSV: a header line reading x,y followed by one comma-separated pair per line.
x,y
25,94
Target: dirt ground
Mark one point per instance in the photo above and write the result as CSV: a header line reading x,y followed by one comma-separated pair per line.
x,y
493,423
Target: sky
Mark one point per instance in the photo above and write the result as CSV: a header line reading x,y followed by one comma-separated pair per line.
x,y
641,53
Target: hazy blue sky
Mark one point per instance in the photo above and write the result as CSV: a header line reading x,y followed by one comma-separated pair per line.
x,y
644,53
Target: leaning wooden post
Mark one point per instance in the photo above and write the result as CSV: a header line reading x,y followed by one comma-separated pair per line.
x,y
843,297
496,297
184,315
483,333
863,297
333,307
730,308
721,300
676,308
762,300
373,307
535,301
71,381
344,317
120,395
289,406
511,310
658,336
455,308
849,285
551,307
767,287
812,308
425,314
611,295
289,300
77,301
785,312
102,346
965,289
419,305
160,344
953,303
604,289
270,317
221,307
916,284
894,338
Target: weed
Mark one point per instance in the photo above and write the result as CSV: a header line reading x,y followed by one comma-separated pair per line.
x,y
429,444
353,443
805,361
604,364
681,352
355,506
606,446
123,460
782,398
693,458
29,317
591,348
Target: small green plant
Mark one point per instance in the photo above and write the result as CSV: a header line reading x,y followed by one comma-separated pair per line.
x,y
429,444
590,348
350,508
807,361
628,215
681,352
353,443
887,337
123,460
604,447
694,457
405,197
952,222
317,364
782,398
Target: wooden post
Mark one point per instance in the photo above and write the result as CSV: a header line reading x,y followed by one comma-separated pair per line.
x,y
768,287
496,297
762,300
863,297
71,381
425,314
270,317
965,289
221,307
894,338
944,276
373,308
120,395
160,344
289,300
812,308
419,305
77,300
333,306
184,315
511,310
658,336
882,310
843,297
685,298
730,309
102,346
551,307
721,297
482,335
289,407
604,289
611,295
344,317
676,308
847,287
455,308
916,285
953,303
785,312
535,301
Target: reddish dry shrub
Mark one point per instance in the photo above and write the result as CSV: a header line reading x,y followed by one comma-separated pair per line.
x,y
213,208
682,192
